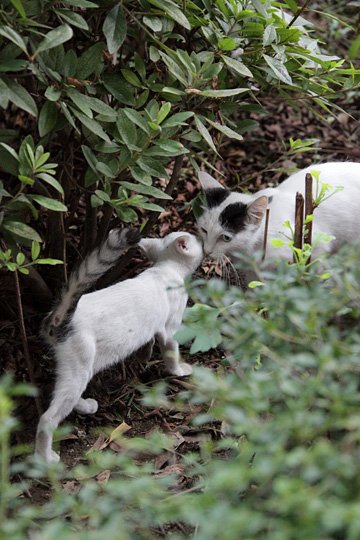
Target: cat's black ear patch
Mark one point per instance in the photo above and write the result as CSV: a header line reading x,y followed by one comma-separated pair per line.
x,y
215,196
233,217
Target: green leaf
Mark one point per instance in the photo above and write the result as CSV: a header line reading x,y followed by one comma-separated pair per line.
x,y
204,133
22,230
131,78
237,66
116,85
91,125
10,150
78,98
178,119
13,65
13,36
105,170
126,129
114,28
171,10
55,37
278,68
254,284
20,97
277,242
51,181
52,93
225,130
4,95
49,261
149,206
20,258
223,93
152,166
146,190
174,68
35,250
90,62
137,118
73,18
19,8
154,23
227,44
163,112
90,157
51,204
47,118
81,3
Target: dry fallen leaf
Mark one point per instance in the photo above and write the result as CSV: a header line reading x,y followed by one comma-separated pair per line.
x,y
71,487
177,469
118,431
103,476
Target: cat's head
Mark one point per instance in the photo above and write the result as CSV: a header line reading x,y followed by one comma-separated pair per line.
x,y
181,246
230,220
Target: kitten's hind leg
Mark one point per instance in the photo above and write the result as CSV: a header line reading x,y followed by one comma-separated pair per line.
x,y
70,384
171,356
86,406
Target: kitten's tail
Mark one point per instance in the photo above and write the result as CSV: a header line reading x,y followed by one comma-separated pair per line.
x,y
95,264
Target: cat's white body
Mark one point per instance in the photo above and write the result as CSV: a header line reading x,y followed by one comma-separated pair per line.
x,y
338,215
110,324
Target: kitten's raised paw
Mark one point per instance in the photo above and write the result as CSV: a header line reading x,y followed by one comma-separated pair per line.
x,y
87,406
182,370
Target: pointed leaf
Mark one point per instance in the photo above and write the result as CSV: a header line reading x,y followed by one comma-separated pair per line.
x,y
204,133
54,38
114,29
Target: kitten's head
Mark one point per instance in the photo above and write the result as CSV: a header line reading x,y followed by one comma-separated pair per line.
x,y
230,220
177,246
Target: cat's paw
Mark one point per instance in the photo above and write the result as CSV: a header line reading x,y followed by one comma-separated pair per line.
x,y
54,457
87,406
182,370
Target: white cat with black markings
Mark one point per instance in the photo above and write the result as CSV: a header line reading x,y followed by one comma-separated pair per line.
x,y
234,222
108,325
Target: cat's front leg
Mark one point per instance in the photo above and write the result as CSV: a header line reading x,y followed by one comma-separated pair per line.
x,y
171,356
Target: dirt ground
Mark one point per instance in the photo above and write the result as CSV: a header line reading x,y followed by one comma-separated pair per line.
x,y
261,159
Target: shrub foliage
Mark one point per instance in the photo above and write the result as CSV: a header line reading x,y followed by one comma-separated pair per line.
x,y
115,93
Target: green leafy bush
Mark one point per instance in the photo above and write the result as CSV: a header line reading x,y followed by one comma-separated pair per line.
x,y
283,460
115,93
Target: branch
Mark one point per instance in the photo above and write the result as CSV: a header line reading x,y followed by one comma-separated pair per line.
x,y
24,339
298,13
299,222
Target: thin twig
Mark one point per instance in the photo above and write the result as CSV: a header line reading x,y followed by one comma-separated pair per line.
x,y
298,13
299,222
24,339
265,233
309,209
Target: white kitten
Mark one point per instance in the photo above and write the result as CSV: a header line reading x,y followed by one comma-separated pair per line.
x,y
110,324
234,222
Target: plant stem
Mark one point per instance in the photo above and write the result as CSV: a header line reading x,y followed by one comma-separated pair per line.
x,y
298,13
299,222
309,209
24,339
265,233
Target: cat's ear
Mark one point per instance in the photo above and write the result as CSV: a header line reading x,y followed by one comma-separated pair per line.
x,y
182,244
256,210
208,182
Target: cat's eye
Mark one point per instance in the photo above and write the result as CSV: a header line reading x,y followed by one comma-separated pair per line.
x,y
203,230
226,238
